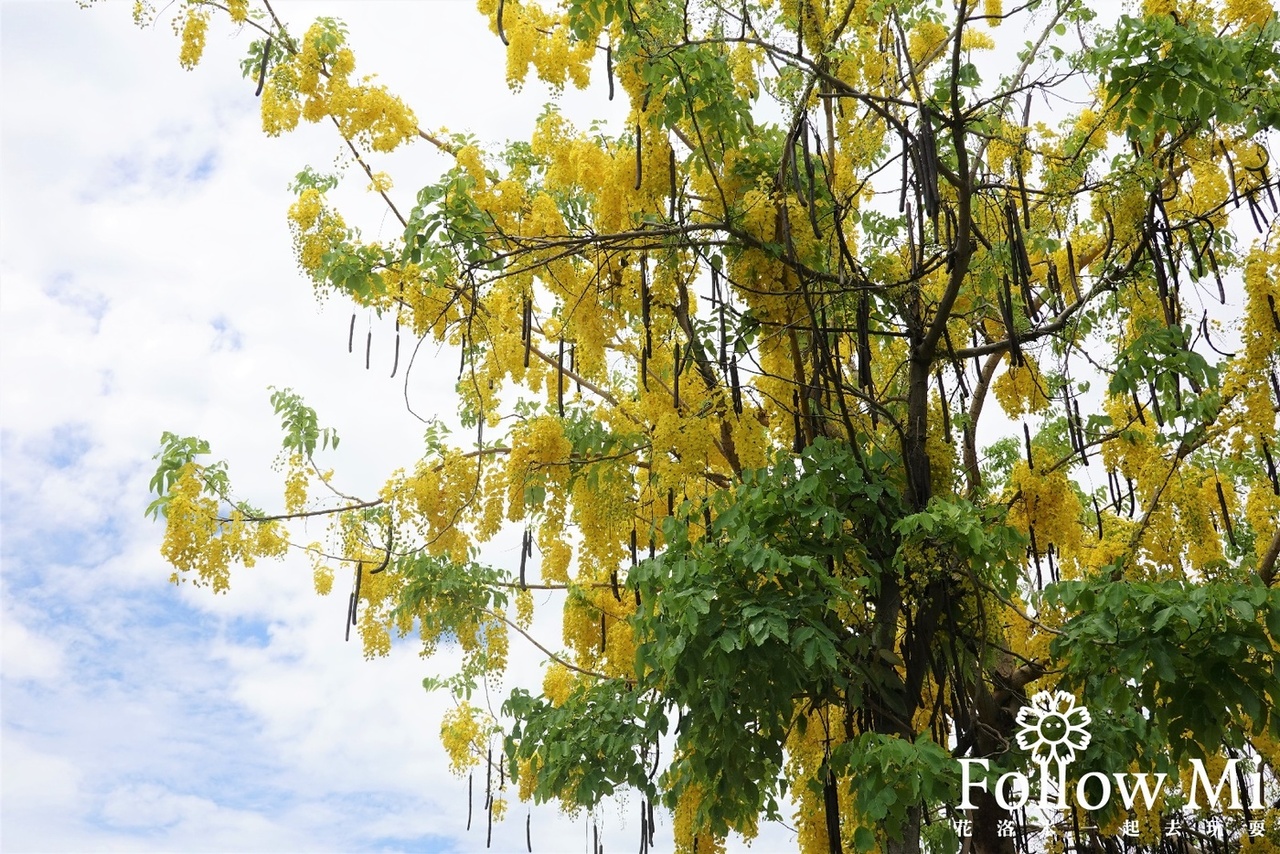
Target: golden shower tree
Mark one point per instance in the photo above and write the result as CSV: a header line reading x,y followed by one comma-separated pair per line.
x,y
730,369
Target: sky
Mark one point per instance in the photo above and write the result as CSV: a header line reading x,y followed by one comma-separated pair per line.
x,y
147,284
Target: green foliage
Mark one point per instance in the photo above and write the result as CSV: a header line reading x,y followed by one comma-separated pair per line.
x,y
889,775
1166,76
301,429
598,739
174,455
445,597
738,624
1198,659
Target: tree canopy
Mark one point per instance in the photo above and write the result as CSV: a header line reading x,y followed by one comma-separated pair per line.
x,y
894,362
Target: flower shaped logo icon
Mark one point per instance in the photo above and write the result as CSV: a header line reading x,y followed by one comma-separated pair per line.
x,y
1053,728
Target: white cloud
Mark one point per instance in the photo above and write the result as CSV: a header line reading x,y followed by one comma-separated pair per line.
x,y
148,286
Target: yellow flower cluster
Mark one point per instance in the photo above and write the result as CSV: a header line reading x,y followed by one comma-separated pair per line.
x,y
464,732
1021,389
539,457
194,31
1246,13
1048,503
687,841
195,541
321,74
295,485
558,683
926,41
316,230
535,37
239,10
321,569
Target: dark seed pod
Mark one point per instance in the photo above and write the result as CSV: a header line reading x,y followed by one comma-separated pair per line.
x,y
608,66
262,69
639,158
1226,514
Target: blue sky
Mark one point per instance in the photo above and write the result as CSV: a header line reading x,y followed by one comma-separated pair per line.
x,y
147,284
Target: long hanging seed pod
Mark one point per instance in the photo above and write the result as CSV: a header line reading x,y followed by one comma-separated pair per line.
x,y
734,388
526,328
488,796
1217,274
608,66
1021,260
864,342
1097,512
1084,445
560,378
262,69
813,186
395,364
946,410
639,159
470,775
368,347
929,162
1204,331
671,173
906,175
1035,556
501,32
1155,404
1271,465
613,582
462,356
1055,286
675,393
528,831
645,304
1006,311
1071,425
526,549
1226,514
1071,271
1026,434
355,598
351,334
1133,498
1137,406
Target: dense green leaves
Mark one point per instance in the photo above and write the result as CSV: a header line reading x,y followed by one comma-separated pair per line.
x,y
301,428
1166,76
1198,659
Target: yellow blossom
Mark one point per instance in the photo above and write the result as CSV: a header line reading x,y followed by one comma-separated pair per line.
x,y
194,31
